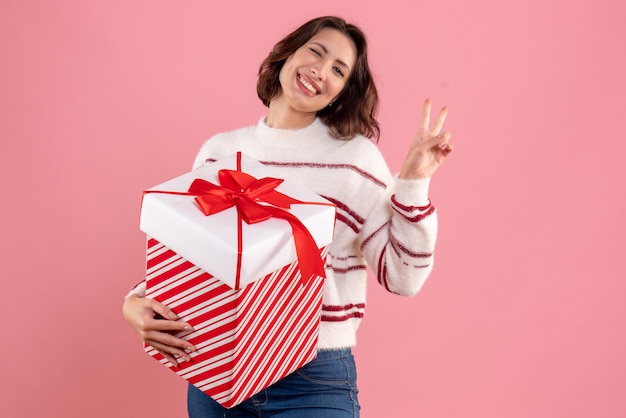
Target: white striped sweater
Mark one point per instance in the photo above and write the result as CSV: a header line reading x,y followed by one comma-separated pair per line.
x,y
383,222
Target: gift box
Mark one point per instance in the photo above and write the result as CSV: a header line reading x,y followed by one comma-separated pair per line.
x,y
222,242
247,338
255,309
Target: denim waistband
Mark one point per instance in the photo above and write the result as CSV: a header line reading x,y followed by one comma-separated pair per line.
x,y
333,353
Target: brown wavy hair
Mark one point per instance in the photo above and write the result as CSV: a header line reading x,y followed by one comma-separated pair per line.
x,y
354,110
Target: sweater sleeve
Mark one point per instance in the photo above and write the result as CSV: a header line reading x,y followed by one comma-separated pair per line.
x,y
399,234
138,290
202,156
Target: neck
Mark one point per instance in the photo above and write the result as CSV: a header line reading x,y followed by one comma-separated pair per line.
x,y
281,116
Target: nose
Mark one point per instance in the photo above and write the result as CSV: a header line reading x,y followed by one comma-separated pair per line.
x,y
317,72
320,69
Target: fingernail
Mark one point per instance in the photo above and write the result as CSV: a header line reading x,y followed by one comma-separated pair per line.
x,y
188,328
173,315
442,145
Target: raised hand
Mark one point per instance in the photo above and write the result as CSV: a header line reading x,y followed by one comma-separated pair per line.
x,y
429,148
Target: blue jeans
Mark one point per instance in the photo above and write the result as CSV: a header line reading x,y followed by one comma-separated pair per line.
x,y
324,388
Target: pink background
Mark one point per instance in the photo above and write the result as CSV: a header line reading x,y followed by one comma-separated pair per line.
x,y
524,314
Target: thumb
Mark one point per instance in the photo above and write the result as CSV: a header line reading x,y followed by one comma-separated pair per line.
x,y
438,141
162,310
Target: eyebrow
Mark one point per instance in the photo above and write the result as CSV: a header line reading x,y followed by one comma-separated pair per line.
x,y
340,62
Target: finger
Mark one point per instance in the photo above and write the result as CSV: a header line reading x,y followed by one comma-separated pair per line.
x,y
171,353
167,325
162,310
446,148
174,348
169,340
425,118
167,320
441,118
437,141
443,139
170,358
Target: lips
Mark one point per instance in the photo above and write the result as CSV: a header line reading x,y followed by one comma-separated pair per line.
x,y
308,85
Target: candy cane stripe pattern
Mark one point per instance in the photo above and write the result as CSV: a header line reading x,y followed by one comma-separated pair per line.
x,y
248,338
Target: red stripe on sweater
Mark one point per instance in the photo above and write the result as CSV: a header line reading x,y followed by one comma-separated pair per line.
x,y
328,318
347,269
342,206
351,167
339,308
415,218
341,218
397,244
372,235
341,258
382,270
409,208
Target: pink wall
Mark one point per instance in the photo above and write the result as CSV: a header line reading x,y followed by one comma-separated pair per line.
x,y
524,313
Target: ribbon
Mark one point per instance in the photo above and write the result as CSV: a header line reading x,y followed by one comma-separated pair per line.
x,y
244,191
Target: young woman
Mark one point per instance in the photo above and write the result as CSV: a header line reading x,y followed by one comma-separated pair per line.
x,y
322,103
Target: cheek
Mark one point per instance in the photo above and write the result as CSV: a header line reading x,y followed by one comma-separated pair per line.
x,y
282,75
337,86
286,67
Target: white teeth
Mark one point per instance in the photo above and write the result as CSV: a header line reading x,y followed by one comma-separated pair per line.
x,y
306,84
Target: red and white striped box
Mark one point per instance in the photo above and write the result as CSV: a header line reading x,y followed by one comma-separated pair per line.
x,y
255,314
247,339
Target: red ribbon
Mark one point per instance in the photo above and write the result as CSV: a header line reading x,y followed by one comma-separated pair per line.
x,y
244,191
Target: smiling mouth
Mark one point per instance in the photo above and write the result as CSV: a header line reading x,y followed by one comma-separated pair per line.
x,y
310,87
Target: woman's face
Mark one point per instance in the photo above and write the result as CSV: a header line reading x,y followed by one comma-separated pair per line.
x,y
317,72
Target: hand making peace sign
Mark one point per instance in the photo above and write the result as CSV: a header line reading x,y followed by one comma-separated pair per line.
x,y
429,148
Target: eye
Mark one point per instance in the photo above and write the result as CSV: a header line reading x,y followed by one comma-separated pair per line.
x,y
338,71
315,51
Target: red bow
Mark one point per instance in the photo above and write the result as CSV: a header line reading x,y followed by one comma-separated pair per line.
x,y
245,192
241,190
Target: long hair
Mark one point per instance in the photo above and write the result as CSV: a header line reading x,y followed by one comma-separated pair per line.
x,y
354,111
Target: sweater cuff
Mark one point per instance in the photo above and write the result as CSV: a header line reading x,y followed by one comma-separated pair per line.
x,y
139,290
412,192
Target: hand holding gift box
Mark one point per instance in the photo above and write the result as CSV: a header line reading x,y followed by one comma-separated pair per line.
x,y
239,284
